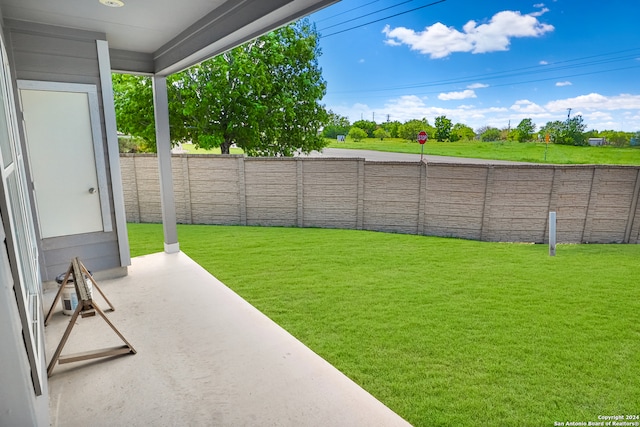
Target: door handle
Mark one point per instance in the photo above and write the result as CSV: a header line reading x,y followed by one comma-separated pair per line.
x,y
92,190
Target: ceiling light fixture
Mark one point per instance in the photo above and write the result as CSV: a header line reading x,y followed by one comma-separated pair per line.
x,y
112,3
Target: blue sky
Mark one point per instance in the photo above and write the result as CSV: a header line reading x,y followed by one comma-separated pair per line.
x,y
483,62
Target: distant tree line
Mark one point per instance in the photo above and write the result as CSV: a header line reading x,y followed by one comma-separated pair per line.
x,y
568,132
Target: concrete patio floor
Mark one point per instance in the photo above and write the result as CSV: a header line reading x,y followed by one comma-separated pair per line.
x,y
205,357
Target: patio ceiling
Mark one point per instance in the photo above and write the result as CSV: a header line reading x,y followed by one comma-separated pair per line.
x,y
164,36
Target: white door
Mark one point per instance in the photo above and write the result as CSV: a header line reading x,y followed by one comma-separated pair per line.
x,y
64,146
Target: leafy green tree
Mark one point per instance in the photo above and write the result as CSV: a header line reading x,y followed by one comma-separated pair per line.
x,y
357,134
367,125
336,125
262,96
489,134
575,130
568,132
525,130
443,128
616,138
461,132
392,127
131,144
481,130
411,128
133,99
506,134
553,129
593,133
381,133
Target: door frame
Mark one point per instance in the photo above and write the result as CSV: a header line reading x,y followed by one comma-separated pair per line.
x,y
96,132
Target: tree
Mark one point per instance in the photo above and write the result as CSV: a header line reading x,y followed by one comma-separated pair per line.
x,y
553,129
411,128
489,134
443,128
367,125
357,134
481,130
262,96
507,134
133,98
381,133
392,127
575,131
336,125
568,132
462,132
525,130
616,138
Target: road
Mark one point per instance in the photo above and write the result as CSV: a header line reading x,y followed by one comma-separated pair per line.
x,y
382,156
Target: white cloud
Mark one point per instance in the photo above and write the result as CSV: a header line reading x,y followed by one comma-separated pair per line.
x,y
538,5
477,86
598,116
526,106
540,12
361,61
465,94
565,83
440,41
543,62
409,102
437,40
595,101
392,42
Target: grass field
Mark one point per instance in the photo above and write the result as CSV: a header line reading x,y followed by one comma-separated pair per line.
x,y
445,332
191,149
508,150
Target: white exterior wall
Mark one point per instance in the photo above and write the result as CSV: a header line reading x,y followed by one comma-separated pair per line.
x,y
20,403
53,54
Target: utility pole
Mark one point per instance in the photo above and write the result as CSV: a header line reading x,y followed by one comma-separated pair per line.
x,y
374,116
568,113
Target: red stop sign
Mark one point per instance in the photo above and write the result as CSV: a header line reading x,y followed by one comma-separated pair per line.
x,y
422,137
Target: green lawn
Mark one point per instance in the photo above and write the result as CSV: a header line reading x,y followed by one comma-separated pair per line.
x,y
191,149
509,150
446,332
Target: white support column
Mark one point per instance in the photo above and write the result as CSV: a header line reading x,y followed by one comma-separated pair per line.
x,y
113,151
163,144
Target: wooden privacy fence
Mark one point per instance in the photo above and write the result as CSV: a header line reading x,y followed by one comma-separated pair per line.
x,y
511,203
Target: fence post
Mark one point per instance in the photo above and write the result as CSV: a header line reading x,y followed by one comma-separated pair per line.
x,y
552,234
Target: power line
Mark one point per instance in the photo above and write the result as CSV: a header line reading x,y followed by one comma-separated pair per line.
x,y
364,16
347,11
382,19
547,68
526,81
